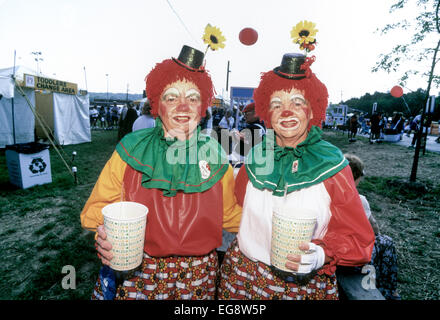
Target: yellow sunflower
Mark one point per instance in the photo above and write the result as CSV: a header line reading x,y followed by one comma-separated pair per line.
x,y
213,37
304,33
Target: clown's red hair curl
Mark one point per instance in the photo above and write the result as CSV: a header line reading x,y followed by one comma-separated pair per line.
x,y
315,92
167,72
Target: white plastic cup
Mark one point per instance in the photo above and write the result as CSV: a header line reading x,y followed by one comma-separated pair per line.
x,y
288,232
124,223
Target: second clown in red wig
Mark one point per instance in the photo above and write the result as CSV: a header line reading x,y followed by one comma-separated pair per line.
x,y
294,72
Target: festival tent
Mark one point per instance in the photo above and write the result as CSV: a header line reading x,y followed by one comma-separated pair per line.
x,y
23,117
63,112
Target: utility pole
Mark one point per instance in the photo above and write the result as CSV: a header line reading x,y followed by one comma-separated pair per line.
x,y
85,78
12,103
227,77
107,87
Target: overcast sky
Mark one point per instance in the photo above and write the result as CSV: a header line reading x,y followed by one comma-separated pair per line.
x,y
83,40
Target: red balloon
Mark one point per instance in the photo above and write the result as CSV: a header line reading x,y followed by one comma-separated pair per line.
x,y
248,36
397,92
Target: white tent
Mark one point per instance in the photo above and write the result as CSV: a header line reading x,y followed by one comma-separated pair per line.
x,y
69,113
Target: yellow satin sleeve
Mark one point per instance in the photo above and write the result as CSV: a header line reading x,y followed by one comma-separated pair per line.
x,y
108,189
231,209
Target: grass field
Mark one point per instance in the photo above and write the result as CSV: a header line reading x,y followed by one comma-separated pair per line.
x,y
40,232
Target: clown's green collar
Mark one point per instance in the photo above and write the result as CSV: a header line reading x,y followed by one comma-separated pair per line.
x,y
193,165
287,169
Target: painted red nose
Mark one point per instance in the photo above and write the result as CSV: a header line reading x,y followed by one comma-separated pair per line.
x,y
286,113
182,107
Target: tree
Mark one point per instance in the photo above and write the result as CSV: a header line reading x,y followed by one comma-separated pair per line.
x,y
388,104
424,44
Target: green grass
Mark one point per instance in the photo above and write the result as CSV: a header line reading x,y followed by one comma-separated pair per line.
x,y
41,232
407,212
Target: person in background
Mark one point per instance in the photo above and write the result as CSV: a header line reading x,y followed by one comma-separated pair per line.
x,y
225,128
94,115
415,126
123,112
252,134
383,257
397,124
362,124
376,122
217,115
114,115
227,122
126,124
108,117
146,120
102,117
189,202
206,123
353,127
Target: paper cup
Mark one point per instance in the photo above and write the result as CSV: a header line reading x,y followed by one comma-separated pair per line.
x,y
288,233
124,223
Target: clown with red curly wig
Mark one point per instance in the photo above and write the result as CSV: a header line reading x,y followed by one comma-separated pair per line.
x,y
295,174
185,180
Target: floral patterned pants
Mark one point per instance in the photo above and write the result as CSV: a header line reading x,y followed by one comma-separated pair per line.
x,y
169,278
244,279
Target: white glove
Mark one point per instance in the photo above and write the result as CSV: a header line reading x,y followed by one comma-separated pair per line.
x,y
312,260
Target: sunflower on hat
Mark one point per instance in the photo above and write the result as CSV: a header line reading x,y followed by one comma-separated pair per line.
x,y
213,38
304,34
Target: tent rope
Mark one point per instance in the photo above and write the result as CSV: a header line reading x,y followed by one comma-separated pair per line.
x,y
49,132
44,129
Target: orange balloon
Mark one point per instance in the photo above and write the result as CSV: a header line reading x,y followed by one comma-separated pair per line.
x,y
397,91
248,36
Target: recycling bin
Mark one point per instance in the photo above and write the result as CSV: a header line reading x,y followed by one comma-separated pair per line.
x,y
28,164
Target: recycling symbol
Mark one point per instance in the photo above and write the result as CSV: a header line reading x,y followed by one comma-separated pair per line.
x,y
37,165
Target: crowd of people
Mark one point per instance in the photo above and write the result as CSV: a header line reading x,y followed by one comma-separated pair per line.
x,y
126,119
102,117
198,206
379,124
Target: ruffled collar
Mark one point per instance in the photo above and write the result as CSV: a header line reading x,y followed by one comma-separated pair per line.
x,y
193,165
313,137
286,169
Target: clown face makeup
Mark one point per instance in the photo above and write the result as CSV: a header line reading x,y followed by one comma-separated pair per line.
x,y
290,114
180,109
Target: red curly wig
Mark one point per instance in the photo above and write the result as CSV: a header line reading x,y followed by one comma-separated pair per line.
x,y
315,92
167,72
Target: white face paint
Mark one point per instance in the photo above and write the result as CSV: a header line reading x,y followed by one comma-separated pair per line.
x,y
298,100
170,92
171,96
180,109
290,116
